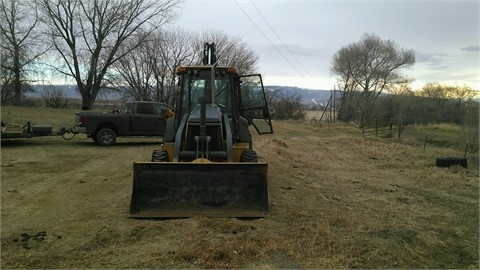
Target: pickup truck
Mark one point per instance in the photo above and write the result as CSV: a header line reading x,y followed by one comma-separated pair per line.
x,y
138,118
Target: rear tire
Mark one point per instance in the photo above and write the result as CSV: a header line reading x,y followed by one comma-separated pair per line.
x,y
249,156
452,161
160,156
106,137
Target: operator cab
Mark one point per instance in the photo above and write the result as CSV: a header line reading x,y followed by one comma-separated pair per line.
x,y
196,88
237,96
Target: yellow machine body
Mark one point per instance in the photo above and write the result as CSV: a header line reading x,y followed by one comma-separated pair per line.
x,y
206,165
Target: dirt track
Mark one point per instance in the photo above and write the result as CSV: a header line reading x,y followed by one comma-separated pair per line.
x,y
337,201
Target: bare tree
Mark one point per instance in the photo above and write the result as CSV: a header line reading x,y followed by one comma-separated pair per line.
x,y
471,124
285,106
177,50
89,35
133,74
369,66
149,70
54,97
19,47
6,79
457,94
396,104
448,103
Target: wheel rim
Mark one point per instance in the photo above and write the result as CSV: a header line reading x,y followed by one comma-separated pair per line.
x,y
106,137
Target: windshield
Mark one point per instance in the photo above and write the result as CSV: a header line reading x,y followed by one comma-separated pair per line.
x,y
126,108
198,90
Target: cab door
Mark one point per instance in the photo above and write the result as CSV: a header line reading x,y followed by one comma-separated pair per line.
x,y
162,113
254,103
144,120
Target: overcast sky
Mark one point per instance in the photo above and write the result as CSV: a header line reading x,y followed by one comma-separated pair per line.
x,y
444,35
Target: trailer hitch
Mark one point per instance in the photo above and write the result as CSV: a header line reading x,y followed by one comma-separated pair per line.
x,y
63,131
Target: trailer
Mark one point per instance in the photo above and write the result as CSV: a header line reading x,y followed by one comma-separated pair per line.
x,y
30,131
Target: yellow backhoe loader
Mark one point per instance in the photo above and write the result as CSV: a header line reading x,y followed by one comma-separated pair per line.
x,y
206,165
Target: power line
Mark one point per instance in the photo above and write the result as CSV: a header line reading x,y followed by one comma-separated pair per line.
x,y
266,37
283,43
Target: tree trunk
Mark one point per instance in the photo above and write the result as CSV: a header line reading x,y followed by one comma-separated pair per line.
x,y
18,89
87,104
17,84
87,100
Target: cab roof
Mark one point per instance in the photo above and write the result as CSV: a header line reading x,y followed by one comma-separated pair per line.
x,y
183,69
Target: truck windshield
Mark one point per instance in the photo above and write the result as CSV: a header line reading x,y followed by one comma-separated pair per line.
x,y
126,108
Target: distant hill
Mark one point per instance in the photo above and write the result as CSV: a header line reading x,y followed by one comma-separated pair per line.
x,y
309,96
70,91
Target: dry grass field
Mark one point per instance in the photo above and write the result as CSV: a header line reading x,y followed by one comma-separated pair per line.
x,y
337,201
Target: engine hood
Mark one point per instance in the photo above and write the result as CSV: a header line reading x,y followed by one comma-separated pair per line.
x,y
213,114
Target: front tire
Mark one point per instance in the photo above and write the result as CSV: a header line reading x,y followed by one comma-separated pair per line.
x,y
106,137
249,156
160,156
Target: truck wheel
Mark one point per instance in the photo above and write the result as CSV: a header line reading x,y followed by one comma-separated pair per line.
x,y
106,137
249,156
160,156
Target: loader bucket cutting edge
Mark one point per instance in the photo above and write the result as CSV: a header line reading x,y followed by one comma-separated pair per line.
x,y
183,189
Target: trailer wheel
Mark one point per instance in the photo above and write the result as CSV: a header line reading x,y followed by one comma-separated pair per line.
x,y
160,156
249,156
106,137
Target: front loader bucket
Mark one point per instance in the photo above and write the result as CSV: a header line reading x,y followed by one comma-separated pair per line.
x,y
183,189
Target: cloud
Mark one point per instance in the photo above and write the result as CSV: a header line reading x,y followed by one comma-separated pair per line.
x,y
435,61
473,48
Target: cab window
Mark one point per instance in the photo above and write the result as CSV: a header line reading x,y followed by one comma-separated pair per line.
x,y
199,90
145,108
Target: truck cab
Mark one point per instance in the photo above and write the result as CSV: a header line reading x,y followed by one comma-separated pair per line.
x,y
146,118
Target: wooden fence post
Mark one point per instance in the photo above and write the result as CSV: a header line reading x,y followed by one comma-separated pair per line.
x,y
425,143
466,148
400,126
